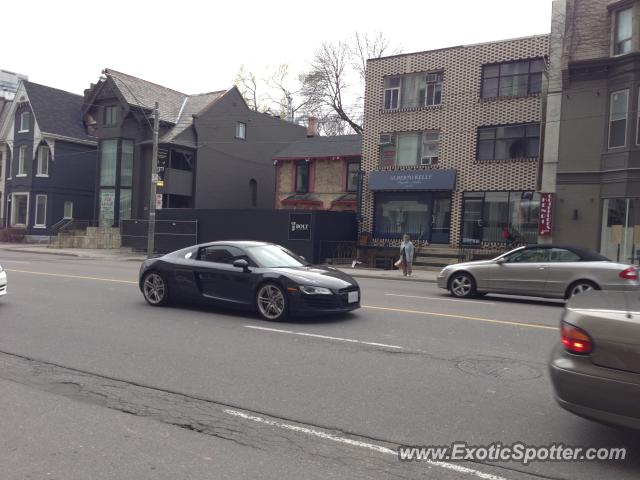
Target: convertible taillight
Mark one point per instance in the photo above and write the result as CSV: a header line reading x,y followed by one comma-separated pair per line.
x,y
630,273
575,340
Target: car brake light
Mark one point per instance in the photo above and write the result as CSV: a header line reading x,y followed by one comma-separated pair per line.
x,y
630,273
575,340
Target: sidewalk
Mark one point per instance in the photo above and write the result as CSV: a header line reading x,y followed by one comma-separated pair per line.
x,y
123,254
416,276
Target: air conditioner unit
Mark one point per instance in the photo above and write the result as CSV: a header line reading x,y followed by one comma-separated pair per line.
x,y
433,77
428,160
386,139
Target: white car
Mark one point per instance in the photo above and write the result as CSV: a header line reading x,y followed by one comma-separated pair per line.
x,y
3,282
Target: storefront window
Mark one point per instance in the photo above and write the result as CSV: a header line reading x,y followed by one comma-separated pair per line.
x,y
486,214
620,236
400,213
108,161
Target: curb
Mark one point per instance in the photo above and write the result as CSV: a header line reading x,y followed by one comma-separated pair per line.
x,y
38,252
400,279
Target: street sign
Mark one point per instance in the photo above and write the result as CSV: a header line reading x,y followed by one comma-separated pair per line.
x,y
545,219
158,201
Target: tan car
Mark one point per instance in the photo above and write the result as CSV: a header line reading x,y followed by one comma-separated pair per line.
x,y
553,271
595,369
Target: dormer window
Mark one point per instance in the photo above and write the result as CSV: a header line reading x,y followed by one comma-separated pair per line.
x,y
110,115
623,31
25,122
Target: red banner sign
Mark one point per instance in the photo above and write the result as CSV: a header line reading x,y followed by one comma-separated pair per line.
x,y
545,218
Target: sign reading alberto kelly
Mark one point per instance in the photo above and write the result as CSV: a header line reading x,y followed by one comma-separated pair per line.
x,y
299,226
413,180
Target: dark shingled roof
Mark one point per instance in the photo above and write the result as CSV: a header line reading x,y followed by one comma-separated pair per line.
x,y
56,111
314,147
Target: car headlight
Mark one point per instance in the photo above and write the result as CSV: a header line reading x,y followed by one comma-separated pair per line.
x,y
315,290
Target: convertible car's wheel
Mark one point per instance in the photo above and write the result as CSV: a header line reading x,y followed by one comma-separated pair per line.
x,y
271,302
154,289
462,285
579,287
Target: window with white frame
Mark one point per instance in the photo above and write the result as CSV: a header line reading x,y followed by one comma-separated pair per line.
x,y
413,91
241,130
618,112
22,161
25,121
68,209
19,209
41,212
623,31
44,155
410,149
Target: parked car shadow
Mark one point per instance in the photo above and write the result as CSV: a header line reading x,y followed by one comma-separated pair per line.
x,y
548,302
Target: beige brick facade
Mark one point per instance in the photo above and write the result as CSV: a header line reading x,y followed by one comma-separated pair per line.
x,y
457,118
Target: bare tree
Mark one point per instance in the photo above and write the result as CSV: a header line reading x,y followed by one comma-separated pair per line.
x,y
333,87
285,93
247,83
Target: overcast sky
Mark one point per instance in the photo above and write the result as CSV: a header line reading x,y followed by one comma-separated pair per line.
x,y
198,46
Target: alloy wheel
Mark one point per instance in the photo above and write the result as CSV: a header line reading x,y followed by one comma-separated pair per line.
x,y
271,302
461,286
154,289
581,288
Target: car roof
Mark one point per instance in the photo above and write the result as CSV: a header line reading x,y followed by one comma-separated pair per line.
x,y
236,243
585,254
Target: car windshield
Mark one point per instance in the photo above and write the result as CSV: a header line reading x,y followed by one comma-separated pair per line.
x,y
274,256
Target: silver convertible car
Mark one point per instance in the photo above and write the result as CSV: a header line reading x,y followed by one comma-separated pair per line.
x,y
3,282
553,271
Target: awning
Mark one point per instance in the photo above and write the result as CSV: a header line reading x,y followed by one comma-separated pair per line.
x,y
413,180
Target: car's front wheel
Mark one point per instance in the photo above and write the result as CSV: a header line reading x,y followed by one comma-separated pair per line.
x,y
462,285
155,289
271,302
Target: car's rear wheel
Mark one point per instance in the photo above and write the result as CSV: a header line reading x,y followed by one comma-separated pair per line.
x,y
580,286
271,302
462,285
155,289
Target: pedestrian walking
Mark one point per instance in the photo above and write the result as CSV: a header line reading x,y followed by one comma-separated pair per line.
x,y
407,251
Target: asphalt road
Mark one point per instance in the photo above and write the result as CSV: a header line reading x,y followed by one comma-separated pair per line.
x,y
97,384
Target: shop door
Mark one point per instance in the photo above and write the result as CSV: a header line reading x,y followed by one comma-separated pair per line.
x,y
472,221
441,220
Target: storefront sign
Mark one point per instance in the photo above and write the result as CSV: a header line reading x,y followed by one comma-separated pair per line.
x,y
545,219
299,226
413,180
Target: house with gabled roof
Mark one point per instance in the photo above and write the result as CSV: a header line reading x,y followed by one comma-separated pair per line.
x,y
214,151
49,160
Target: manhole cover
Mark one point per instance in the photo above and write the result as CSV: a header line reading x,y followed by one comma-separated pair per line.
x,y
498,367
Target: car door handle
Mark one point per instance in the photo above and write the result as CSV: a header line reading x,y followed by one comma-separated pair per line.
x,y
542,268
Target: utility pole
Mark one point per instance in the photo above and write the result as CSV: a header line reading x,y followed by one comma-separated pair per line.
x,y
152,187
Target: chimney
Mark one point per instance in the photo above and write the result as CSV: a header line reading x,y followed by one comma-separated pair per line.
x,y
312,127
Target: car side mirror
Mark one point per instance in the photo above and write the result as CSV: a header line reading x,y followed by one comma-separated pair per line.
x,y
501,261
241,263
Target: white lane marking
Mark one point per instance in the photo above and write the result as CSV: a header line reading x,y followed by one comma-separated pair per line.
x,y
459,300
324,337
357,443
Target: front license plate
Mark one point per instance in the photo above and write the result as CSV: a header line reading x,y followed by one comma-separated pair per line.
x,y
352,297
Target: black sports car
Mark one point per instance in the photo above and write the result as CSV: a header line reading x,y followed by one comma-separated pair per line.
x,y
252,275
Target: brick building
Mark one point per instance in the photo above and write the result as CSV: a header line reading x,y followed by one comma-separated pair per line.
x,y
319,173
451,143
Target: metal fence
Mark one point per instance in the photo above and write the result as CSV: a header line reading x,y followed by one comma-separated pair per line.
x,y
169,235
337,252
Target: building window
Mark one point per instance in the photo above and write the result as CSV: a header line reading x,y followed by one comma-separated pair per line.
x,y
253,192
618,110
241,130
485,216
41,212
412,91
620,234
108,162
302,177
508,142
19,209
400,213
68,209
126,163
110,115
22,161
43,161
512,79
25,121
125,204
410,149
623,31
353,176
